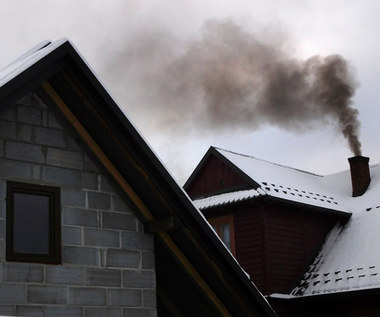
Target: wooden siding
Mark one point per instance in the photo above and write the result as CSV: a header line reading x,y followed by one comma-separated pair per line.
x,y
293,237
214,177
275,243
249,243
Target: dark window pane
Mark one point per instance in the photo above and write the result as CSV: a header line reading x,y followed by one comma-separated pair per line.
x,y
31,223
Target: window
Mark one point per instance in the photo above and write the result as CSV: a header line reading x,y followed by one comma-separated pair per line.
x,y
33,223
224,227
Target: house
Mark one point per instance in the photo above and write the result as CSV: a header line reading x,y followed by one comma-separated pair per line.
x,y
309,242
91,223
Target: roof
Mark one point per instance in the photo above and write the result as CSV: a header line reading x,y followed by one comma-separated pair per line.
x,y
349,260
61,76
275,181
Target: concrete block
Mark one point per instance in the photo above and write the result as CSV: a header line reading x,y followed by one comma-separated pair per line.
x,y
73,143
149,298
25,133
3,189
102,312
2,250
139,279
32,311
65,275
123,258
105,185
121,204
139,225
101,237
7,310
30,115
136,240
63,311
73,197
50,137
3,209
99,200
61,176
53,122
71,235
118,221
8,130
79,217
138,312
46,294
148,260
89,165
63,158
14,170
36,172
22,272
80,255
2,228
12,294
44,113
103,277
89,181
124,297
24,152
87,296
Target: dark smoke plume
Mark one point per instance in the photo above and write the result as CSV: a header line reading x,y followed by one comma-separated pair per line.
x,y
230,78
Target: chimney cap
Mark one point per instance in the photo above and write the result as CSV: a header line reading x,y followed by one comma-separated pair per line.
x,y
364,159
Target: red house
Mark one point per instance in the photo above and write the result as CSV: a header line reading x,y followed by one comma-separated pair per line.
x,y
309,242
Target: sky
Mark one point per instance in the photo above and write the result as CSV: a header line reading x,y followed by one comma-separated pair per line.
x,y
149,56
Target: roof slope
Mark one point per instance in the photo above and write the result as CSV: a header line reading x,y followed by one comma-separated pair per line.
x,y
58,73
276,181
349,259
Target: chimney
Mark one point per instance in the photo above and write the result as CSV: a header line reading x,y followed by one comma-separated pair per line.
x,y
360,177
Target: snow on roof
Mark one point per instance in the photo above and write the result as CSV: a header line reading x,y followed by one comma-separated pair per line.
x,y
349,260
285,182
28,59
228,198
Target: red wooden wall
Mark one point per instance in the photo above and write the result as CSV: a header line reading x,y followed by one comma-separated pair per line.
x,y
214,177
275,243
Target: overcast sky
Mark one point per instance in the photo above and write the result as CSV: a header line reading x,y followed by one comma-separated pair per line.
x,y
128,42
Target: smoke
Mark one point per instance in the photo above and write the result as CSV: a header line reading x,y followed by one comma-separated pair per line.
x,y
229,79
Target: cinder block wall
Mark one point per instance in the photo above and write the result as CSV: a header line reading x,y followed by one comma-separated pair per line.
x,y
107,260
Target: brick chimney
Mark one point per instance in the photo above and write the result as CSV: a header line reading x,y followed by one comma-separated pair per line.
x,y
360,176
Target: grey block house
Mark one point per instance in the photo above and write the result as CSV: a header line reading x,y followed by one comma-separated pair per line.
x,y
91,223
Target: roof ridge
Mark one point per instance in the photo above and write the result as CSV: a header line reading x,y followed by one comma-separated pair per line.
x,y
266,161
33,50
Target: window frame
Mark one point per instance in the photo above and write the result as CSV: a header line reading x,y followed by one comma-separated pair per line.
x,y
222,220
54,255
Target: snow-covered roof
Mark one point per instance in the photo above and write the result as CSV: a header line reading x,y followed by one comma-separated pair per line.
x,y
228,198
28,59
276,181
349,260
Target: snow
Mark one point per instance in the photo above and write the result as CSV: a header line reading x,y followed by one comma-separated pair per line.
x,y
349,259
228,198
28,59
286,183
